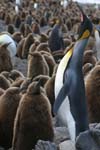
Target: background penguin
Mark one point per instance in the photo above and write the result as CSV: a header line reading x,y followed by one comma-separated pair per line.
x,y
70,104
92,86
43,38
27,30
43,78
20,48
6,75
17,37
34,46
4,83
51,63
9,101
5,59
55,41
17,83
58,55
1,91
86,68
6,38
16,75
18,4
22,28
89,57
97,42
49,88
43,47
27,43
7,19
33,119
10,28
37,61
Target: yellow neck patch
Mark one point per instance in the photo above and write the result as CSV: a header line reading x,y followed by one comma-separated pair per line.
x,y
69,54
85,35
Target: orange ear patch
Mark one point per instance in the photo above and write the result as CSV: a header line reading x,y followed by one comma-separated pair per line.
x,y
85,35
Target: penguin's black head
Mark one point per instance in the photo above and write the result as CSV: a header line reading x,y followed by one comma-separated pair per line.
x,y
85,26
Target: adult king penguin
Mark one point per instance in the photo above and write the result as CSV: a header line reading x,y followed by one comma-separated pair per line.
x,y
70,105
5,37
18,4
97,37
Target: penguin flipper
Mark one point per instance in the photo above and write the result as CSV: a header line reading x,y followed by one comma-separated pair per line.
x,y
61,96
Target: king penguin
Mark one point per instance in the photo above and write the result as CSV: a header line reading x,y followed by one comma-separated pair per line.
x,y
55,40
18,4
97,38
70,105
5,37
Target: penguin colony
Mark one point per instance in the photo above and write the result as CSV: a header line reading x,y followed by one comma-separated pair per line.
x,y
58,77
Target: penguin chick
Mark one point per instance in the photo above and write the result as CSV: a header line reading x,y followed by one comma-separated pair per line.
x,y
98,62
43,38
15,75
4,83
8,105
86,68
33,119
5,60
58,55
37,65
1,91
43,46
49,88
17,83
28,41
51,63
20,48
92,87
32,48
17,36
25,84
89,57
6,75
43,78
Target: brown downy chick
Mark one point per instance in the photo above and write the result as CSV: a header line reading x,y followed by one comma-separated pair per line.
x,y
4,83
89,57
17,36
49,88
92,87
43,78
9,101
27,43
37,65
16,75
20,48
5,60
33,119
51,63
86,68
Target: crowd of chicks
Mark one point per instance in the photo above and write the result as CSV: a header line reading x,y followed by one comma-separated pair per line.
x,y
26,101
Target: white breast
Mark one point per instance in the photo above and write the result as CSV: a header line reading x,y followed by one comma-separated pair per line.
x,y
6,38
64,115
97,37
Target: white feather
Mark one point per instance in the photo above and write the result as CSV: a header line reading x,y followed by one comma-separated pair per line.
x,y
6,38
97,37
16,9
64,114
